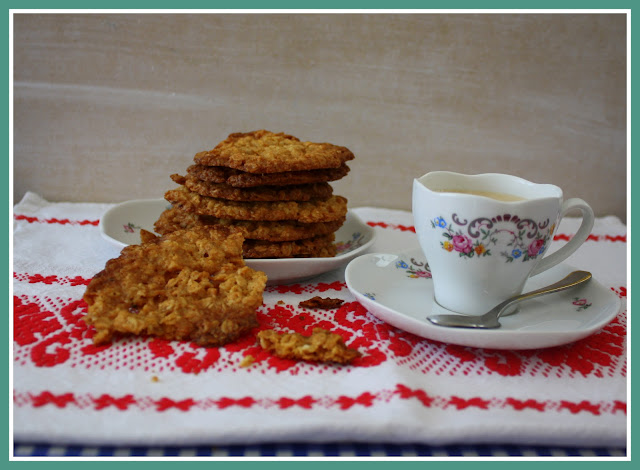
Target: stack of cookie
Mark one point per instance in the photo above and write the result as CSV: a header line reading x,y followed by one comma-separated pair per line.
x,y
273,188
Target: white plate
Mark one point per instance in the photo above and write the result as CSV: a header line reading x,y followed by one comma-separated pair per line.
x,y
397,288
122,223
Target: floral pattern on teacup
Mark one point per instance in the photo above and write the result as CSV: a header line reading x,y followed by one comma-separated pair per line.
x,y
514,238
416,269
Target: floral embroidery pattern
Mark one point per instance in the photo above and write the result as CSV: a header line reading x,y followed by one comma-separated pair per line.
x,y
356,241
130,227
581,303
516,238
414,270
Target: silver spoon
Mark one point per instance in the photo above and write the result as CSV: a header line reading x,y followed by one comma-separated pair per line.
x,y
490,319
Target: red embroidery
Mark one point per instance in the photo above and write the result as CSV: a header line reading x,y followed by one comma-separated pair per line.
x,y
55,220
46,398
53,279
619,406
308,402
31,323
594,238
300,288
122,403
161,348
620,291
226,402
183,405
365,399
199,360
50,332
305,402
505,363
520,405
404,228
580,407
461,403
406,393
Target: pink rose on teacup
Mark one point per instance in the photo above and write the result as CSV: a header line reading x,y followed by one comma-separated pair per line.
x,y
462,243
535,247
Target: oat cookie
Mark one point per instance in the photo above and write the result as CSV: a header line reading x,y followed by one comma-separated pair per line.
x,y
275,231
321,346
267,152
189,285
300,192
242,179
317,247
315,210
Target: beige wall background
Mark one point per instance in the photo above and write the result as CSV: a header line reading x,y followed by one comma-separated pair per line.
x,y
107,106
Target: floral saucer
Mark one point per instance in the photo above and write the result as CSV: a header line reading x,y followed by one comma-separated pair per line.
x,y
397,288
121,226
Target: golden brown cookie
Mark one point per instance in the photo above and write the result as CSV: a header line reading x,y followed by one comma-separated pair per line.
x,y
315,210
321,346
187,285
242,179
317,247
267,152
275,231
299,192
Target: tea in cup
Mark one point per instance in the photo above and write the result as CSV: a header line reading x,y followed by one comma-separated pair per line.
x,y
485,235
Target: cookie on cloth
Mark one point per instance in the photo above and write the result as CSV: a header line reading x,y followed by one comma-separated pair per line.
x,y
300,192
321,346
315,210
268,152
242,179
316,247
275,231
189,285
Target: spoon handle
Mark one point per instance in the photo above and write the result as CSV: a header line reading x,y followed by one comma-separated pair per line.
x,y
571,280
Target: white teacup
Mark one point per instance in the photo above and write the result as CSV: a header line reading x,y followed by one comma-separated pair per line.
x,y
485,235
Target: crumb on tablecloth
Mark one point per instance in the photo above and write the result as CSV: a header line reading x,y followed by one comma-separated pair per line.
x,y
324,303
321,346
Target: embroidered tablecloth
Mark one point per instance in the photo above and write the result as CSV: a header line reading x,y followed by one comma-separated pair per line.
x,y
144,391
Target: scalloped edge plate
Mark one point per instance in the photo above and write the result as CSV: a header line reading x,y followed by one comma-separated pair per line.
x,y
398,289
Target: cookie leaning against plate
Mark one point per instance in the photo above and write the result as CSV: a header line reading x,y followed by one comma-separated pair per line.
x,y
300,192
315,210
187,285
243,179
275,231
267,152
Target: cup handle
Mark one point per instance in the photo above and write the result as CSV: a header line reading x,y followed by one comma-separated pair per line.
x,y
575,242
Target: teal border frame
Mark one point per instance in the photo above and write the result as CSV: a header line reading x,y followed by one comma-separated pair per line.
x,y
27,6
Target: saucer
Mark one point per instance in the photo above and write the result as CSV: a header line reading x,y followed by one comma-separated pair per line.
x,y
397,288
121,226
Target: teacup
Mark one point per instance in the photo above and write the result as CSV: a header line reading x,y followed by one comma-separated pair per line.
x,y
485,235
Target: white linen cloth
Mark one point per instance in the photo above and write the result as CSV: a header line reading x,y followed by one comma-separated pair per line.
x,y
141,391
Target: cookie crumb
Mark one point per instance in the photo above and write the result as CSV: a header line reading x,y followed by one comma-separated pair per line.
x,y
155,378
324,303
321,346
247,361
